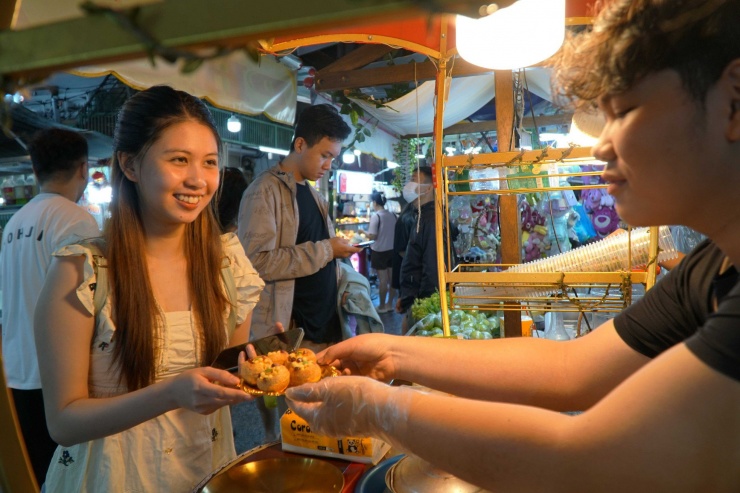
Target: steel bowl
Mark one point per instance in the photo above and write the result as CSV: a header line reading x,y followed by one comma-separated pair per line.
x,y
278,475
414,475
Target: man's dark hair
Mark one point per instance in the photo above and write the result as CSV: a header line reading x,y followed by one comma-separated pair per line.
x,y
424,170
56,153
633,38
378,198
317,122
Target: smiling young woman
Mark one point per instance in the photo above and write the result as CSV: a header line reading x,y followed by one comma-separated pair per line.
x,y
129,395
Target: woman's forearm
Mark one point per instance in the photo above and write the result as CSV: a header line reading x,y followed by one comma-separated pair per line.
x,y
91,418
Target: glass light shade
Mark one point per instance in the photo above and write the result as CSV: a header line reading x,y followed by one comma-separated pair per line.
x,y
233,124
526,33
348,157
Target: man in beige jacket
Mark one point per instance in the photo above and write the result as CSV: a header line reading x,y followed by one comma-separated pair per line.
x,y
285,228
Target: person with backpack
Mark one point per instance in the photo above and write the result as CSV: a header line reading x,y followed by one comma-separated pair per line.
x,y
128,391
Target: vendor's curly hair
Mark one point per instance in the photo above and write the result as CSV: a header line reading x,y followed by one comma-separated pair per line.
x,y
633,38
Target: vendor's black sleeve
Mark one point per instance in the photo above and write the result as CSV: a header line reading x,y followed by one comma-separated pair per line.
x,y
717,342
675,308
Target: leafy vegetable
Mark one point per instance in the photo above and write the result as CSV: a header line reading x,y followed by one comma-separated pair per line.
x,y
424,306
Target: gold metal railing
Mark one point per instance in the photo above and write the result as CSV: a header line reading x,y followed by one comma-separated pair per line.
x,y
488,286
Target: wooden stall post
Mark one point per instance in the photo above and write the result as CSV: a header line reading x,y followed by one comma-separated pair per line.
x,y
509,214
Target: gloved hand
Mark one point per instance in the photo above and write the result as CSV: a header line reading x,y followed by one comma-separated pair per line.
x,y
353,406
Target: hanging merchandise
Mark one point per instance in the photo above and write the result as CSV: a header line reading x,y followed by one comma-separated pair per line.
x,y
535,234
600,207
476,220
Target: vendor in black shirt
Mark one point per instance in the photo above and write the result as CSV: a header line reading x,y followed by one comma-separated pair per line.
x,y
660,384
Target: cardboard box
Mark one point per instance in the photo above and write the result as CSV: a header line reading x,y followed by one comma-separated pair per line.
x,y
298,437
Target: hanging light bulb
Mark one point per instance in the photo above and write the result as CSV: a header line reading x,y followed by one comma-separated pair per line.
x,y
233,124
526,33
348,157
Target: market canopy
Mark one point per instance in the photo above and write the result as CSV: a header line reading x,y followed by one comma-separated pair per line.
x,y
412,27
234,82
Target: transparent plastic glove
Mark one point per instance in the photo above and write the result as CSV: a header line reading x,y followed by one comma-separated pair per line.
x,y
353,406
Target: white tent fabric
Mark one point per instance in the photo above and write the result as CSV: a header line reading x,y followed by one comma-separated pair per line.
x,y
466,96
232,82
379,144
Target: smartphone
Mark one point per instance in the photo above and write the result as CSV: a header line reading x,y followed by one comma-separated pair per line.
x,y
228,359
364,244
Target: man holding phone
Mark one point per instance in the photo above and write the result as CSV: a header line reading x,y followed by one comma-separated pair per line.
x,y
286,232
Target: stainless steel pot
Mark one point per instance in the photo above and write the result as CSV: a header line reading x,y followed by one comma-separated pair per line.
x,y
414,475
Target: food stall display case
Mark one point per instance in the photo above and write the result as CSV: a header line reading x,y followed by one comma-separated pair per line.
x,y
485,283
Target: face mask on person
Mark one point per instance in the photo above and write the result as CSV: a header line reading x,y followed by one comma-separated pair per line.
x,y
412,190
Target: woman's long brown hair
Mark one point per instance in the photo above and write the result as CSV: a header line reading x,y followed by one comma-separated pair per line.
x,y
140,123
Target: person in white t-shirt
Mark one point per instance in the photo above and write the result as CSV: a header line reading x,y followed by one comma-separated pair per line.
x,y
50,220
382,230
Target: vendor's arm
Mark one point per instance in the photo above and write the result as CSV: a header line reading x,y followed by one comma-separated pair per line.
x,y
673,426
64,330
570,375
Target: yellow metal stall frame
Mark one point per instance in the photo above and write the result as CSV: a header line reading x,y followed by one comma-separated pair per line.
x,y
487,286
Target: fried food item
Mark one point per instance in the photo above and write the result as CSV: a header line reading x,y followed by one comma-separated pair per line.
x,y
304,353
279,357
251,369
303,371
274,379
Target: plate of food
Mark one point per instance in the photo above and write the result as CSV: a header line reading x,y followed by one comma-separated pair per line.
x,y
271,374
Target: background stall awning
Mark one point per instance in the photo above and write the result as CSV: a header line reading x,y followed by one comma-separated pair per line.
x,y
233,82
25,123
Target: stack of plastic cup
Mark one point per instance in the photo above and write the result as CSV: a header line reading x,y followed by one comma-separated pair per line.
x,y
610,254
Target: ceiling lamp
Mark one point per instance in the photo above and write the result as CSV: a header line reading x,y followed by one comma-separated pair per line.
x,y
233,124
348,157
274,150
526,33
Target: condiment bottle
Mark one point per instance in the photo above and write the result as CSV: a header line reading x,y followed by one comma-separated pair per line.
x,y
30,187
9,191
20,191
